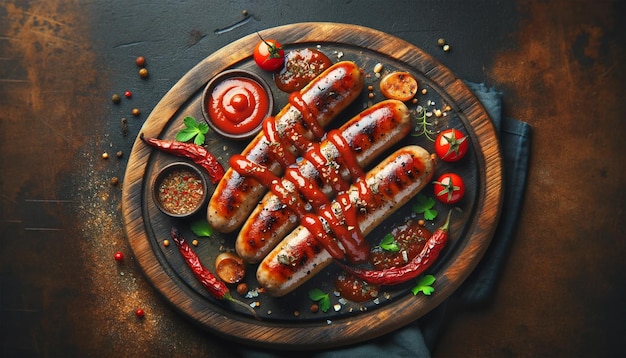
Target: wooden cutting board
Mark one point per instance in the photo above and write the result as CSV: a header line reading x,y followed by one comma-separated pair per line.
x,y
287,323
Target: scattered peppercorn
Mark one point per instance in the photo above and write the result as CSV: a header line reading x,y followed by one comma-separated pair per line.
x,y
194,242
140,61
446,47
119,154
136,112
166,243
139,313
315,307
424,91
114,181
143,73
105,155
242,288
370,88
116,98
414,100
441,42
118,256
128,94
370,95
244,12
421,222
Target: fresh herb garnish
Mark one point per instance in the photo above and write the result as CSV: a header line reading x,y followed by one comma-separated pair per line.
x,y
423,125
193,130
425,205
201,228
322,299
424,285
388,243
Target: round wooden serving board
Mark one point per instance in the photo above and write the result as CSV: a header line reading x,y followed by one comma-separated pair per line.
x,y
287,322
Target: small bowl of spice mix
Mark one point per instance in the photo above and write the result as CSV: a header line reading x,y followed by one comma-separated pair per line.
x,y
180,190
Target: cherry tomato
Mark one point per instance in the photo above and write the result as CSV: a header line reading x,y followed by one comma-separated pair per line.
x,y
451,145
269,55
449,188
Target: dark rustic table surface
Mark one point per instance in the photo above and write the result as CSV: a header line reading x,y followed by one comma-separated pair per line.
x,y
560,65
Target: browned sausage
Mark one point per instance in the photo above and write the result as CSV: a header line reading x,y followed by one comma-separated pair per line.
x,y
325,97
368,134
299,256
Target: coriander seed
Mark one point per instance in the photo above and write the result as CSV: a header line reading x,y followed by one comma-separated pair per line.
x,y
116,98
143,73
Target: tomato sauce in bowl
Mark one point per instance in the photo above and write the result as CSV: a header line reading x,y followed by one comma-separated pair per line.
x,y
236,102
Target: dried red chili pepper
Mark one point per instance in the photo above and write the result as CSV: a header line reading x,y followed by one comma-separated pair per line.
x,y
397,275
216,287
197,153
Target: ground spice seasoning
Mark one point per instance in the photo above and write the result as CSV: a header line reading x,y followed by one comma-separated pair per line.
x,y
181,191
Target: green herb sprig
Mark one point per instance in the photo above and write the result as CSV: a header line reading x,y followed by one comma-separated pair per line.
x,y
423,125
201,228
322,299
424,285
193,130
425,205
388,243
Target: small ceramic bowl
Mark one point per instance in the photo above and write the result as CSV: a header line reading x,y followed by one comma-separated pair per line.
x,y
180,190
235,103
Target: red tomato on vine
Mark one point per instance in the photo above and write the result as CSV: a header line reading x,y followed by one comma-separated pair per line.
x,y
451,145
269,55
449,188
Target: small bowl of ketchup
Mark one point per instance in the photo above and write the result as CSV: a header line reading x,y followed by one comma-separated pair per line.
x,y
236,102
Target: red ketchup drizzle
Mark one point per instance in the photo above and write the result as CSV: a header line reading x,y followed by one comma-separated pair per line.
x,y
347,157
295,99
246,167
278,151
308,188
313,223
329,173
346,228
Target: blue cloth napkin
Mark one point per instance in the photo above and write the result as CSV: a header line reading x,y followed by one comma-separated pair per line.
x,y
419,338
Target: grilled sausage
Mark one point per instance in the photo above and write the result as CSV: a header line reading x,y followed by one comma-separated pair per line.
x,y
368,134
325,97
300,256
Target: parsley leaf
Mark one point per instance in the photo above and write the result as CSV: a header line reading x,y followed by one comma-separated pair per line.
x,y
424,205
201,228
388,243
424,285
193,130
317,295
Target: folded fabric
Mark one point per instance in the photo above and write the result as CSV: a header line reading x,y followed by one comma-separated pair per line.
x,y
418,339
